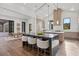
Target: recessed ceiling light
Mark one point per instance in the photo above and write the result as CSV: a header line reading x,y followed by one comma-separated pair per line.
x,y
46,15
72,9
24,3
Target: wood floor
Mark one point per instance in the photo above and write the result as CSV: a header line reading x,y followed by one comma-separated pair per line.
x,y
69,48
14,48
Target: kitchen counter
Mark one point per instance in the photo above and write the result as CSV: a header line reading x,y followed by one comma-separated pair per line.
x,y
47,36
54,32
60,33
50,37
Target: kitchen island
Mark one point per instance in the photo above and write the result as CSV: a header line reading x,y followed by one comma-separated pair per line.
x,y
50,37
60,33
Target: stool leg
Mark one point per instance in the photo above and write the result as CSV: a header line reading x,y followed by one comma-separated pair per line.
x,y
44,52
38,52
28,46
23,44
32,48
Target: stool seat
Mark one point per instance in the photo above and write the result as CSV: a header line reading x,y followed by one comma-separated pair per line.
x,y
31,40
31,43
24,41
42,44
24,38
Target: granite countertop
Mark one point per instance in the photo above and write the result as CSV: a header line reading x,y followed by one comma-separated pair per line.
x,y
54,32
47,36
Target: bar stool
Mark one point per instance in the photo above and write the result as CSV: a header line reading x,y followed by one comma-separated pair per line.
x,y
24,41
31,43
42,45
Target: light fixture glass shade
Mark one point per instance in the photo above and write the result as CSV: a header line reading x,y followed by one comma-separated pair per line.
x,y
57,22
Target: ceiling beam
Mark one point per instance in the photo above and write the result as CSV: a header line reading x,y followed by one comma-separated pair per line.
x,y
11,16
40,7
15,12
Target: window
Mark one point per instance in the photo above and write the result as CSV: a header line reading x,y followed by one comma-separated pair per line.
x,y
23,27
11,26
51,24
6,26
66,25
30,28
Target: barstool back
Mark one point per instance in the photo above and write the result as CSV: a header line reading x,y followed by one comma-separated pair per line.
x,y
24,38
42,44
31,40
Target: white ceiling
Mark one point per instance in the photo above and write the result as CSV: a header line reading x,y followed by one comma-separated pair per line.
x,y
2,21
68,6
28,10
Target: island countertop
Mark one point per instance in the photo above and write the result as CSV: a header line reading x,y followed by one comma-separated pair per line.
x,y
60,33
48,36
54,32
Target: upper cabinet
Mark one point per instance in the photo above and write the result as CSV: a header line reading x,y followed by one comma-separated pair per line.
x,y
57,16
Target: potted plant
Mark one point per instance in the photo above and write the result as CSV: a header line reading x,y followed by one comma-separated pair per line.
x,y
40,33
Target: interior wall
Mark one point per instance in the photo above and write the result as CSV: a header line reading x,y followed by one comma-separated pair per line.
x,y
72,15
74,21
31,21
16,20
40,25
6,27
46,20
1,28
19,21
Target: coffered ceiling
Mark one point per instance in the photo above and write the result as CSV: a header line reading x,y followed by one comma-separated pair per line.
x,y
28,10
